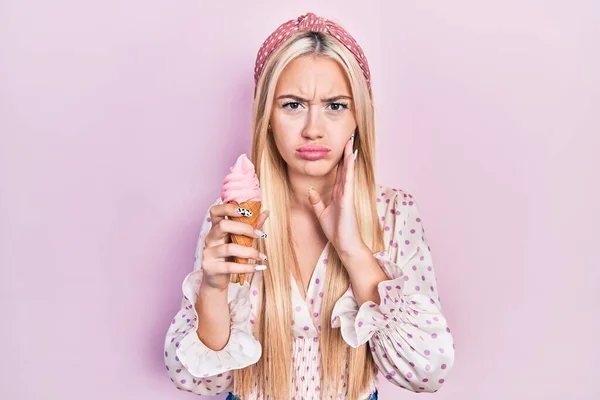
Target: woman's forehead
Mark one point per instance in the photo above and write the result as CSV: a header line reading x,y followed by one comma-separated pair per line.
x,y
311,76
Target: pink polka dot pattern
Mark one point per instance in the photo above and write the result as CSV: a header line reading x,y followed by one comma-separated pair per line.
x,y
313,23
407,333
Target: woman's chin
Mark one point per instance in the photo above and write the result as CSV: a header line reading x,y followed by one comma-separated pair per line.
x,y
315,169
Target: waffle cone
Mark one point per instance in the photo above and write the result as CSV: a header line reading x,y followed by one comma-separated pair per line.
x,y
242,240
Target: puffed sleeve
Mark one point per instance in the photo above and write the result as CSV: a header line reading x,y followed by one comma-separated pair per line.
x,y
191,365
407,333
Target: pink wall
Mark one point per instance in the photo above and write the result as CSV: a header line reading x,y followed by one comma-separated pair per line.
x,y
119,119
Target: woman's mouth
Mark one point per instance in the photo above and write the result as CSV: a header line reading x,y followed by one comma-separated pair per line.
x,y
312,152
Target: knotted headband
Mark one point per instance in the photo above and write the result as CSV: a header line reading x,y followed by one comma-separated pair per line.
x,y
309,22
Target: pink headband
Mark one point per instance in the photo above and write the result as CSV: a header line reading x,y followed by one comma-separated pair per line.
x,y
313,23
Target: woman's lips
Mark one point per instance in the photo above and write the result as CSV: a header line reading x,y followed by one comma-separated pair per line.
x,y
313,155
312,152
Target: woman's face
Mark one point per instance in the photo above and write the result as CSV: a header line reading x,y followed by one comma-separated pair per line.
x,y
312,107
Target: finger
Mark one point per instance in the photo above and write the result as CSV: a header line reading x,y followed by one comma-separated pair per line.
x,y
220,211
236,268
339,174
230,267
348,150
235,250
349,178
226,227
317,203
342,167
261,220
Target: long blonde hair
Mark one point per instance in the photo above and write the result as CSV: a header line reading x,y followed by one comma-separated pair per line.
x,y
271,375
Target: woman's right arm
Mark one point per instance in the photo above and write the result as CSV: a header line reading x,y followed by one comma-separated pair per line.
x,y
210,335
212,308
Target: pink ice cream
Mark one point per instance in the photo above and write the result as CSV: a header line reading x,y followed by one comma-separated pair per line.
x,y
241,184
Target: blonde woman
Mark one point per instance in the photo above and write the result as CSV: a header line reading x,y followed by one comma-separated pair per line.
x,y
349,288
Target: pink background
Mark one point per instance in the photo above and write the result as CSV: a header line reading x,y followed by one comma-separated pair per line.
x,y
119,120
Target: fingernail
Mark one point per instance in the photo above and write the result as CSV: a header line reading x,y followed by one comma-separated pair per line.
x,y
244,212
352,138
355,154
260,233
262,256
260,267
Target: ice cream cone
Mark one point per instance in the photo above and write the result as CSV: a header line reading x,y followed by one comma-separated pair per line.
x,y
246,241
242,188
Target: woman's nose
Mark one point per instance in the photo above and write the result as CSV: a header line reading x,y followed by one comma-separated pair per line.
x,y
313,128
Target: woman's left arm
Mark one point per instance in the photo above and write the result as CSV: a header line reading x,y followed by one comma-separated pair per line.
x,y
408,334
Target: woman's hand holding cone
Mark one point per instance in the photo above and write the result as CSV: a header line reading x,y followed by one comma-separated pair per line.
x,y
219,251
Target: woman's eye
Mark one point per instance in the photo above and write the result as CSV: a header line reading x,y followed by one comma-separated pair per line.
x,y
338,106
292,105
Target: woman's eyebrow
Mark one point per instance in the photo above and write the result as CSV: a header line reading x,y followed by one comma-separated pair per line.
x,y
301,100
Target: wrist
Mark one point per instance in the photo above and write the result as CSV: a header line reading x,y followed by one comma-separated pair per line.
x,y
214,284
358,252
210,294
208,290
